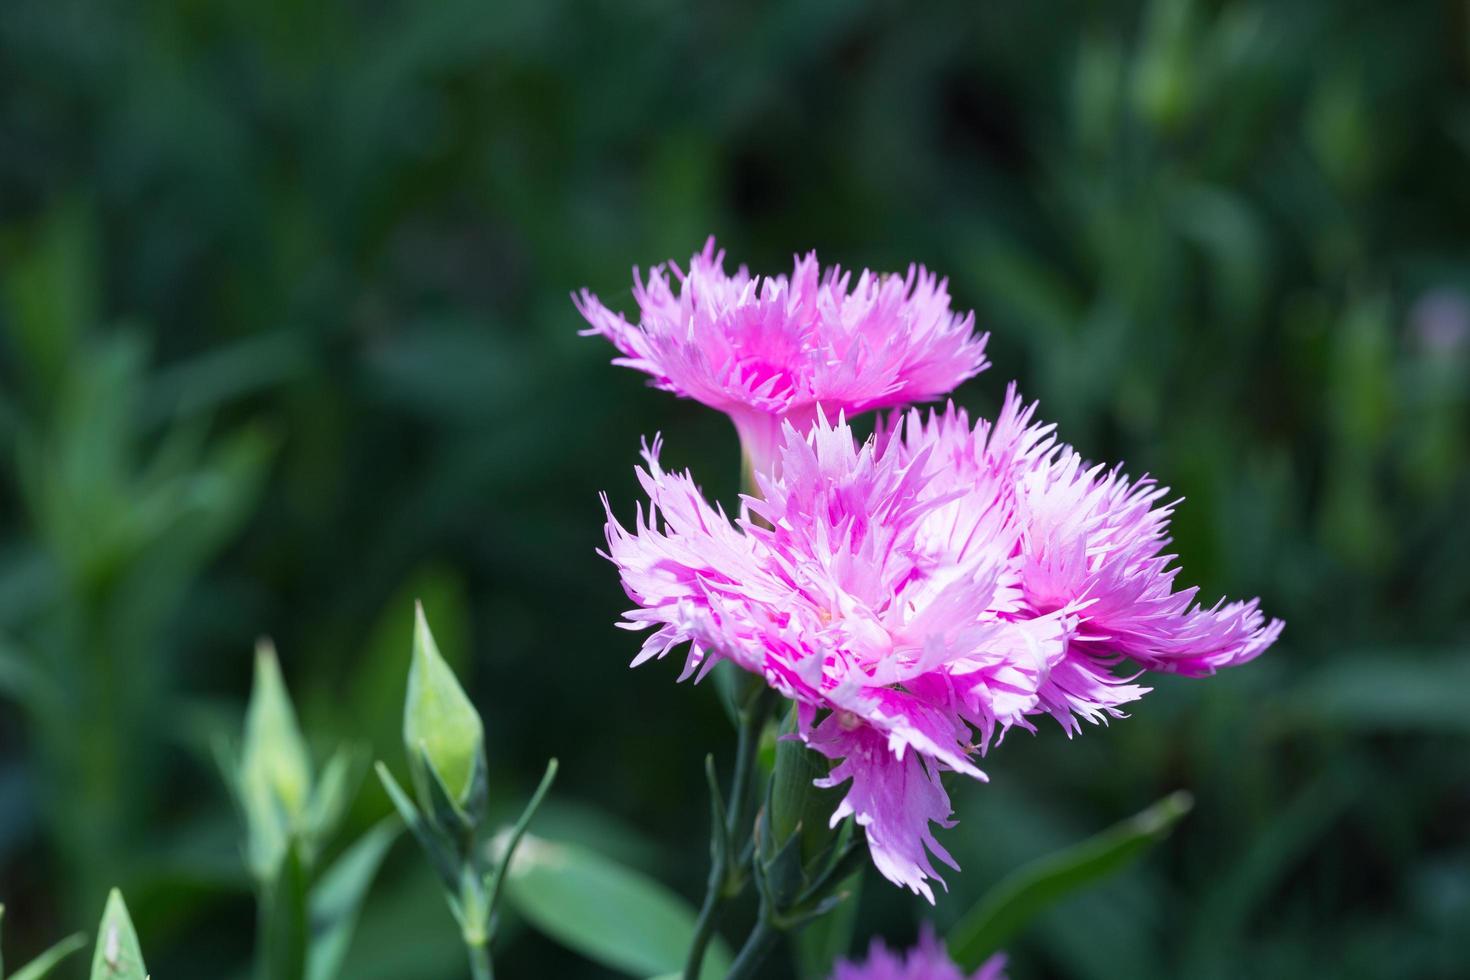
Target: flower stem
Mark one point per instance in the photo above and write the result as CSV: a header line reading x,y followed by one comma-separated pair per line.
x,y
480,968
726,877
757,947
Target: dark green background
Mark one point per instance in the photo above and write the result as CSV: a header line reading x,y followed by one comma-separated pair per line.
x,y
286,341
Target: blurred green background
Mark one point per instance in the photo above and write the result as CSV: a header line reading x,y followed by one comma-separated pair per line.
x,y
286,342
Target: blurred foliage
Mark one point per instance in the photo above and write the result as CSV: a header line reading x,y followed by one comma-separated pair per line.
x,y
285,342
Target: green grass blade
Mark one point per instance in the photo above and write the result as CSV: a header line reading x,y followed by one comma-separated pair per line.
x,y
42,965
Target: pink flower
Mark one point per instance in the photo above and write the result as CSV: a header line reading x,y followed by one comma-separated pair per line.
x,y
919,595
926,961
772,350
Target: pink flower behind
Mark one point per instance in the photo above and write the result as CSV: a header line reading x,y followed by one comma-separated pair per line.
x,y
920,594
772,350
926,961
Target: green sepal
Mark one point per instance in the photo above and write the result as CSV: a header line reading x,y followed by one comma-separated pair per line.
x,y
439,850
781,878
798,807
437,803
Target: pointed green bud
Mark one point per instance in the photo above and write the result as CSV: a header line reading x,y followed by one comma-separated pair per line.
x,y
275,767
442,731
118,956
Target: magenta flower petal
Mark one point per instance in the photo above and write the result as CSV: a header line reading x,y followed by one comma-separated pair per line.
x,y
773,350
894,798
919,595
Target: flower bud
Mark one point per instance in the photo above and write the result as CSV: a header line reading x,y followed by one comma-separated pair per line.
x,y
118,956
442,732
274,775
796,836
798,806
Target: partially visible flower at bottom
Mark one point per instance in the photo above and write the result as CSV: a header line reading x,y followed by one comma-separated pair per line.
x,y
926,961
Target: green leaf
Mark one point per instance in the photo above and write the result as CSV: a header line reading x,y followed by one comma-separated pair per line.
x,y
1404,691
51,290
42,965
334,789
338,895
611,914
275,768
1027,892
440,725
118,956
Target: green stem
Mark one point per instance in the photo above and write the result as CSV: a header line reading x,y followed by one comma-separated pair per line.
x,y
480,968
758,946
727,880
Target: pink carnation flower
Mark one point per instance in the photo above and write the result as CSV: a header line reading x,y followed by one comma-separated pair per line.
x,y
771,350
926,961
919,595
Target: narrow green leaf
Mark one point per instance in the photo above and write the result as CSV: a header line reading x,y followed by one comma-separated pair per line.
x,y
118,956
517,832
338,895
1030,890
611,914
440,724
42,965
334,789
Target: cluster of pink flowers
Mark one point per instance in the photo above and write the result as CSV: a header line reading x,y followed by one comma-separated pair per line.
x,y
926,961
918,593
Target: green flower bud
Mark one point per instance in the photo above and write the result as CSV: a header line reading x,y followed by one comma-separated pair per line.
x,y
797,806
118,956
442,731
274,775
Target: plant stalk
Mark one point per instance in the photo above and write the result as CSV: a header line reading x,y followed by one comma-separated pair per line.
x,y
480,967
758,946
727,879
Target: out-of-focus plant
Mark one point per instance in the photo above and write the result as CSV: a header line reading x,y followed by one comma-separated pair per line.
x,y
306,914
445,741
47,961
126,506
